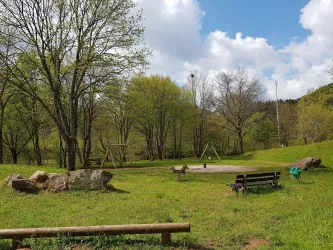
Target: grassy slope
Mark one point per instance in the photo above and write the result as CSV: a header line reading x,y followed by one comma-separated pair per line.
x,y
298,217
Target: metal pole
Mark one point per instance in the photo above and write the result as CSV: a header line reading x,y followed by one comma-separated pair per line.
x,y
277,113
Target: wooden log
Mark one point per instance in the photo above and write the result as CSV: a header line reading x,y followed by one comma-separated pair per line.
x,y
94,230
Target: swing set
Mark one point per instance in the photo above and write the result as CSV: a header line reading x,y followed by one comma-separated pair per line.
x,y
108,153
213,150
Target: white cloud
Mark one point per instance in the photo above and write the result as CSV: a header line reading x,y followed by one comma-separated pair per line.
x,y
173,32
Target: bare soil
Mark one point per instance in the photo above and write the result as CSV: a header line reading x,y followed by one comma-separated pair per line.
x,y
254,244
219,169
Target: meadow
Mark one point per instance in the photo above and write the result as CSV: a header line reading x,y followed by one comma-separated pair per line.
x,y
299,216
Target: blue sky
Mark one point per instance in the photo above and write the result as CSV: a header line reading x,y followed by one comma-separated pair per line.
x,y
209,36
275,20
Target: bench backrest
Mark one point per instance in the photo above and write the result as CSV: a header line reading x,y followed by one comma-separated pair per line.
x,y
247,178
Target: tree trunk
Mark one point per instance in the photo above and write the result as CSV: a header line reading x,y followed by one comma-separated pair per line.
x,y
174,139
71,151
180,140
241,144
160,151
14,155
2,111
37,150
305,140
1,145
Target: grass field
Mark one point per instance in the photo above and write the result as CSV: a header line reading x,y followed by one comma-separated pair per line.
x,y
297,217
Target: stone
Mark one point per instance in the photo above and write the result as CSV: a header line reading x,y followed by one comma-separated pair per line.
x,y
25,185
9,179
78,180
39,176
57,183
305,164
87,179
52,174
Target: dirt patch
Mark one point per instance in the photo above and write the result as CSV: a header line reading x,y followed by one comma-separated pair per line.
x,y
218,169
255,243
228,193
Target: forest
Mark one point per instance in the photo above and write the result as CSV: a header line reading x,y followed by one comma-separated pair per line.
x,y
71,90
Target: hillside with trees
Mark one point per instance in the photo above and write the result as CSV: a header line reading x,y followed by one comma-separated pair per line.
x,y
73,87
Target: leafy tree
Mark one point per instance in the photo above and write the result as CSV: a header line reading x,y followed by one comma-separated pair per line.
x,y
262,131
67,39
5,91
314,121
156,99
16,135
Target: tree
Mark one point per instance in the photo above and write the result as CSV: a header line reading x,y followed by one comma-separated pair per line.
x,y
5,95
263,129
155,100
237,94
181,120
16,135
201,92
66,39
314,122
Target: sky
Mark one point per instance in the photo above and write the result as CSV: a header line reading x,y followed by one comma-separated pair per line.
x,y
288,41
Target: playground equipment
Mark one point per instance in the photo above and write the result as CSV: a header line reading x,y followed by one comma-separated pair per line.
x,y
213,150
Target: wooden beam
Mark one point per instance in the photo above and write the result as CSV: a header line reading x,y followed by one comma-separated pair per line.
x,y
204,151
94,230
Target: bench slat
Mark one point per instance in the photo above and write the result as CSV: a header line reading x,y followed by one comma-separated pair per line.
x,y
258,175
260,183
257,179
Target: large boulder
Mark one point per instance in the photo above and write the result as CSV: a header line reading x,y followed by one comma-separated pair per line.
x,y
9,179
309,162
57,183
39,176
81,179
25,185
89,179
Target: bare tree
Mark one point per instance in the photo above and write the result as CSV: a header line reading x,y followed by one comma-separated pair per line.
x,y
63,39
198,85
236,98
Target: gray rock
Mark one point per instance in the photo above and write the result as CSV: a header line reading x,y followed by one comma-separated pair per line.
x,y
57,183
25,185
78,180
39,176
9,179
52,174
89,179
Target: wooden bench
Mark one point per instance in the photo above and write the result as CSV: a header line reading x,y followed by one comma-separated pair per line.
x,y
246,181
97,160
17,235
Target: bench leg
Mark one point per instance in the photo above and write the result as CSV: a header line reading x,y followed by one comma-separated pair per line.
x,y
166,238
16,242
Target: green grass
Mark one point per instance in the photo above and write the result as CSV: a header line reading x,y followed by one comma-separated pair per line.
x,y
296,217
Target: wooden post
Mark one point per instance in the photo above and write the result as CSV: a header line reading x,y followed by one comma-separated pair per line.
x,y
216,152
204,151
16,242
166,238
106,155
178,176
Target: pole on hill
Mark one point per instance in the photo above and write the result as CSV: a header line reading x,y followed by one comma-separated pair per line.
x,y
277,113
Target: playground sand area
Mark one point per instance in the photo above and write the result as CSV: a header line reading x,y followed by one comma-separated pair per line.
x,y
218,169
